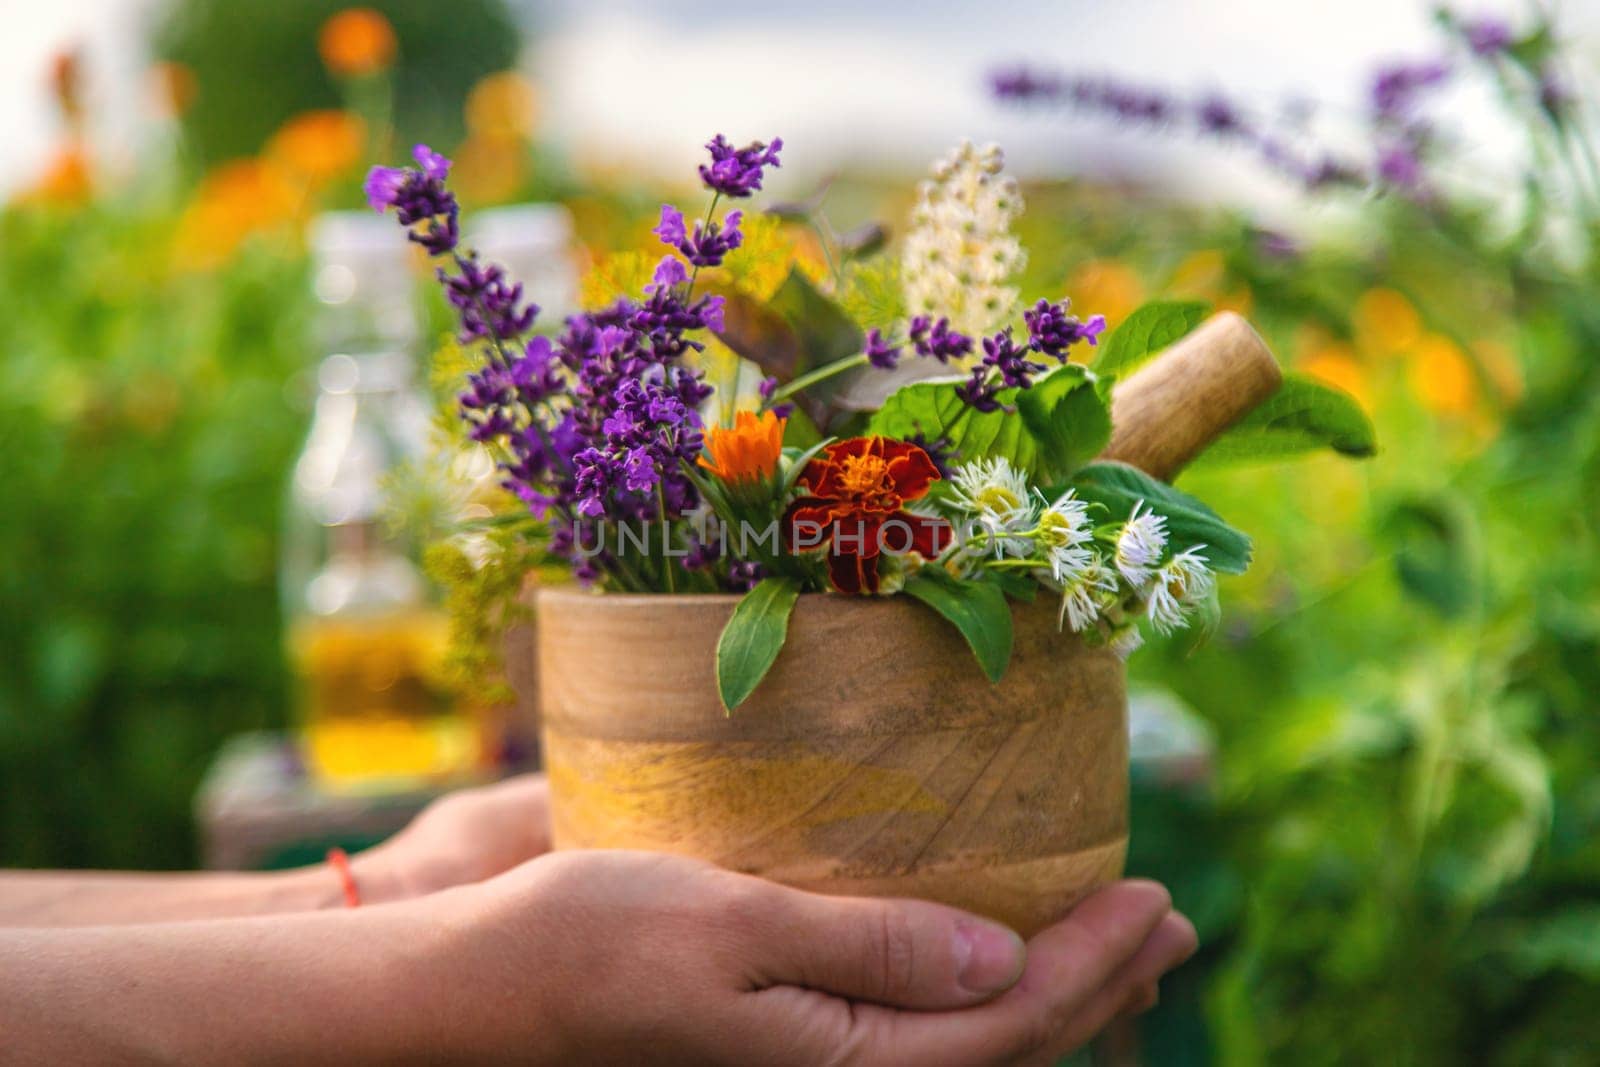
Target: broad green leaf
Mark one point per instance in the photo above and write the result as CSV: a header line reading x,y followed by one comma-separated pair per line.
x,y
977,609
753,637
1118,487
1146,332
826,333
797,330
760,334
1065,423
1070,420
1302,416
1016,586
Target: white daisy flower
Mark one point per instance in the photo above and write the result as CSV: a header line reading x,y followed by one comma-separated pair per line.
x,y
1064,530
1081,595
996,494
1139,546
1179,584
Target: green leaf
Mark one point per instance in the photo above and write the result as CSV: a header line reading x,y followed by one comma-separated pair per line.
x,y
1070,419
799,431
1302,416
1016,586
1064,421
1118,487
826,333
1146,332
977,609
753,637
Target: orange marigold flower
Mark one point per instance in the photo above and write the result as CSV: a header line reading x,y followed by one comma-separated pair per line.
x,y
856,490
319,145
747,451
356,41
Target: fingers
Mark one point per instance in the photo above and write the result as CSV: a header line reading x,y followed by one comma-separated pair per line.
x,y
1133,989
902,953
1078,974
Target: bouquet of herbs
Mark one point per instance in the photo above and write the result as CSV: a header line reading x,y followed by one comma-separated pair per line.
x,y
946,452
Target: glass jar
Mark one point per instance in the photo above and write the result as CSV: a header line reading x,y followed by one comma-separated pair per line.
x,y
366,641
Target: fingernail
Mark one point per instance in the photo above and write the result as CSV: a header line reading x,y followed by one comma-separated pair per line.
x,y
989,957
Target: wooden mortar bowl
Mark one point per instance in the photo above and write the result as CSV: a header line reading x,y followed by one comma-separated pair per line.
x,y
874,759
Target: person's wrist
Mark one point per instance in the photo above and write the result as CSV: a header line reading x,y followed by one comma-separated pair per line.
x,y
451,979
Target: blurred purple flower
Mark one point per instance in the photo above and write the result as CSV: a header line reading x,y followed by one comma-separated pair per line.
x,y
1399,165
1396,87
1486,36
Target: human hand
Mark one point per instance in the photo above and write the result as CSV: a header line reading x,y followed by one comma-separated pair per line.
x,y
460,838
606,957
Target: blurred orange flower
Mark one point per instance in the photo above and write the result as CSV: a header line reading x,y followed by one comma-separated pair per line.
x,y
1441,376
1336,364
237,199
1105,287
357,41
490,169
67,179
502,105
319,145
1385,322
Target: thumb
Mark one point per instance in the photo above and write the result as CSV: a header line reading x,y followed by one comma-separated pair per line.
x,y
902,953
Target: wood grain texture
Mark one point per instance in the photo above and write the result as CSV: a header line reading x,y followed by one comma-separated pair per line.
x,y
875,757
1169,410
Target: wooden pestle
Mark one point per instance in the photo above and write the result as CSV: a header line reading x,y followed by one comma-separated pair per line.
x,y
1169,410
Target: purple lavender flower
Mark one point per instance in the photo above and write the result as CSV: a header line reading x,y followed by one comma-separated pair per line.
x,y
669,272
488,303
936,340
1218,116
767,388
880,353
599,424
737,172
1274,244
1399,166
708,244
1052,331
1486,36
422,203
1396,87
744,575
1002,352
1005,365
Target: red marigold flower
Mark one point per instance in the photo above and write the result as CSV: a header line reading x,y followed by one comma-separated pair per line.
x,y
854,507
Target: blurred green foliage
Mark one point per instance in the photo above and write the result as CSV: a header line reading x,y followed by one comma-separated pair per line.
x,y
255,64
147,432
1406,686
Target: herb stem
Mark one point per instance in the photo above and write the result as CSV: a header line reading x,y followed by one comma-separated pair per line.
x,y
821,374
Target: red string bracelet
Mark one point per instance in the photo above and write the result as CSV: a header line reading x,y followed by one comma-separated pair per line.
x,y
339,860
